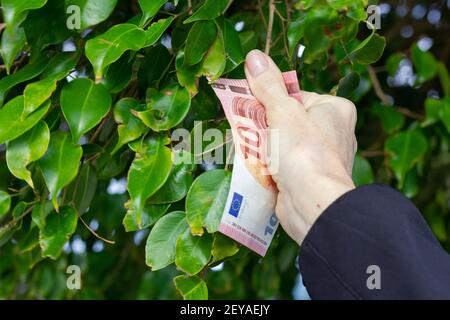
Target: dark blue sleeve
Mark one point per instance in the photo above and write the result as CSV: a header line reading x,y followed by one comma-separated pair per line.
x,y
374,226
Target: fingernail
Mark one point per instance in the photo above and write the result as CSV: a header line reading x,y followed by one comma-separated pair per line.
x,y
256,62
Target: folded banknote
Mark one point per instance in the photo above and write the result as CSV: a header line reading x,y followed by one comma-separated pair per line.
x,y
249,215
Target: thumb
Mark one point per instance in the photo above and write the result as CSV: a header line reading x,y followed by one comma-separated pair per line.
x,y
266,82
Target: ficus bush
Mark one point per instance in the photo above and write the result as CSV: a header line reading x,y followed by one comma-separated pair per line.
x,y
91,92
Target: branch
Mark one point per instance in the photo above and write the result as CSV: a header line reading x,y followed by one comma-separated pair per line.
x,y
270,26
93,232
383,97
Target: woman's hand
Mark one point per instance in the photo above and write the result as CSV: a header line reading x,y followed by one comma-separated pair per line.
x,y
316,144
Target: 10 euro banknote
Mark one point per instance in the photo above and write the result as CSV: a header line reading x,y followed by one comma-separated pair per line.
x,y
249,214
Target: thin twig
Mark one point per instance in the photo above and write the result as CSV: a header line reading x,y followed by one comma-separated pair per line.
x,y
95,233
261,13
189,6
288,11
270,26
384,98
376,86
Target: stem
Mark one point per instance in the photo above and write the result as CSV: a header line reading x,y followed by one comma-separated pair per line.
x,y
270,26
94,233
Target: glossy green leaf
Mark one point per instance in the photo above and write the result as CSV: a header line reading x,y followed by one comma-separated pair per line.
x,y
160,246
118,75
178,182
13,40
191,288
36,93
444,113
59,226
424,63
84,104
61,65
156,30
166,109
153,68
92,12
130,127
26,73
192,253
405,149
208,11
150,8
206,200
11,123
109,47
393,63
199,40
370,50
60,163
347,85
5,203
362,171
14,11
223,247
232,44
148,172
40,213
214,63
82,189
148,216
186,75
26,149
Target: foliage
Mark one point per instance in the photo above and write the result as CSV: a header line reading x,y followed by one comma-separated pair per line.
x,y
85,110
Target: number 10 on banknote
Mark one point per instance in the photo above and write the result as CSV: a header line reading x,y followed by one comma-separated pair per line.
x,y
249,214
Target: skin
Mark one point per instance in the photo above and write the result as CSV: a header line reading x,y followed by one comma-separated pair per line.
x,y
317,145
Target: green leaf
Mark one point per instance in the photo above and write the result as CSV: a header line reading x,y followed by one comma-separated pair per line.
x,y
36,93
13,40
192,253
370,50
206,200
93,11
178,182
432,109
191,288
232,44
295,33
348,85
405,149
391,119
223,247
160,246
60,163
40,213
148,172
84,104
362,171
214,63
5,203
130,127
118,75
424,63
108,47
147,217
150,8
208,11
156,30
14,11
153,68
26,149
82,189
11,123
186,75
59,227
61,65
199,40
26,73
166,109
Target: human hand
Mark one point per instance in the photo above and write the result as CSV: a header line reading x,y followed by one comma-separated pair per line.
x,y
316,145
